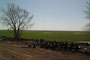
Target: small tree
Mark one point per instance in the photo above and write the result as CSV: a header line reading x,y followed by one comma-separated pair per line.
x,y
17,19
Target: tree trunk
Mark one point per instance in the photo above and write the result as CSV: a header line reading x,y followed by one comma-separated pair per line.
x,y
16,35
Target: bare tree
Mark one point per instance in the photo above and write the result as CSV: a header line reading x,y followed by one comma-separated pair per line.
x,y
17,19
87,12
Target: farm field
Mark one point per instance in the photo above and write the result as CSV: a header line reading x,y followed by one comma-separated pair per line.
x,y
69,36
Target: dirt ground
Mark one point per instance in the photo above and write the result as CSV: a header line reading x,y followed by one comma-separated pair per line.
x,y
11,51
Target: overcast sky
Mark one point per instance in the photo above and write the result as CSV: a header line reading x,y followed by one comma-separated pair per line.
x,y
53,14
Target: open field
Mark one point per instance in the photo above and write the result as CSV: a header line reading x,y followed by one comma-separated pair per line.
x,y
70,36
12,51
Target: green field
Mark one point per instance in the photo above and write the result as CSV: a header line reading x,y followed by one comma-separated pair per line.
x,y
69,36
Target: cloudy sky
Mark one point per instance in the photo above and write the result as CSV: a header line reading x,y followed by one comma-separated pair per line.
x,y
53,14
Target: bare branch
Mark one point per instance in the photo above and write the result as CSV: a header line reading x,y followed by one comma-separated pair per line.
x,y
16,19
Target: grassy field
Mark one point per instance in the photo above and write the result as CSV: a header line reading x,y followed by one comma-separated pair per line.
x,y
69,36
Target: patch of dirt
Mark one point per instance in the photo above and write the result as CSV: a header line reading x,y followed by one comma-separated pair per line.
x,y
10,51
